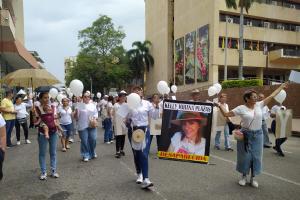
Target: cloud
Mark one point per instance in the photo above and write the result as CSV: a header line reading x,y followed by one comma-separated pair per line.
x,y
51,26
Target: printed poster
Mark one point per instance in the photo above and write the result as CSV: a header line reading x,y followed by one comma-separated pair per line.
x,y
202,54
186,131
190,47
179,61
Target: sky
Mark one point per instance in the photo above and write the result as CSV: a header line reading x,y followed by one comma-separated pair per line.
x,y
51,26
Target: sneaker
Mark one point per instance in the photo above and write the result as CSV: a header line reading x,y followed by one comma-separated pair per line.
x,y
27,141
139,180
217,147
71,140
18,143
107,142
243,181
146,183
112,141
85,160
10,146
267,146
54,175
122,153
228,149
254,183
43,176
95,156
118,155
63,149
67,147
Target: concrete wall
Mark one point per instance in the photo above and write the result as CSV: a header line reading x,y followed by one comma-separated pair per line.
x,y
19,14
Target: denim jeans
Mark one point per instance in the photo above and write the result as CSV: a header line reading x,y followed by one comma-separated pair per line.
x,y
265,132
108,133
88,138
226,137
43,142
9,127
252,158
141,156
67,130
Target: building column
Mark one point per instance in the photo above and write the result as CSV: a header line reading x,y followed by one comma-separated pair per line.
x,y
260,72
214,74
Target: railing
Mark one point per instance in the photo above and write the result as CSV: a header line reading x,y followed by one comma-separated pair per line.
x,y
291,52
282,3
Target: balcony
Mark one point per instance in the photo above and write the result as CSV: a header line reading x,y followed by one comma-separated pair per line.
x,y
285,56
267,11
261,34
251,58
7,26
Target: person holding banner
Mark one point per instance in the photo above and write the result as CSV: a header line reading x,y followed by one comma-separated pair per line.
x,y
155,124
189,140
250,149
139,118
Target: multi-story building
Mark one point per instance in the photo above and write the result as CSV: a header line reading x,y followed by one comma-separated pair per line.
x,y
13,54
70,62
188,41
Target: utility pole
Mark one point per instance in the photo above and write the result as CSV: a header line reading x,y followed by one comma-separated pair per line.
x,y
91,85
226,45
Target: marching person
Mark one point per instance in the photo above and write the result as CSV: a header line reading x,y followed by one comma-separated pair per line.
x,y
139,118
155,128
119,125
22,114
108,126
195,95
86,114
266,115
250,149
9,115
2,144
222,122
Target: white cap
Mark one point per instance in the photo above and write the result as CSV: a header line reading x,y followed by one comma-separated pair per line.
x,y
123,92
106,95
21,92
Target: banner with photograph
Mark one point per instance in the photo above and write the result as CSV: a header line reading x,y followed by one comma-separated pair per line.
x,y
186,131
190,46
179,61
202,54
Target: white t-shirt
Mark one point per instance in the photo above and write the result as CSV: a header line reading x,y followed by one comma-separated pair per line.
x,y
265,112
85,112
221,120
2,121
185,147
119,125
65,115
251,119
21,110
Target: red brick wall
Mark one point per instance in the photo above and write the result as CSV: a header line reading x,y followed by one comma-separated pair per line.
x,y
235,96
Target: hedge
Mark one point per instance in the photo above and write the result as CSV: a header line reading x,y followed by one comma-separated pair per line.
x,y
242,83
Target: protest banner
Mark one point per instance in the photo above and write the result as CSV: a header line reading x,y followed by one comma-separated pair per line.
x,y
186,131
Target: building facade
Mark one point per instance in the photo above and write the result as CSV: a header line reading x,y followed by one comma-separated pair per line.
x,y
70,62
188,41
13,54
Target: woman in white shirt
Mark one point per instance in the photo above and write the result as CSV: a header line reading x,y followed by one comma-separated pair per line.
x,y
65,120
250,150
86,114
21,118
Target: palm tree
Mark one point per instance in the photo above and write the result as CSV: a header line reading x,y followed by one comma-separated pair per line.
x,y
140,59
243,4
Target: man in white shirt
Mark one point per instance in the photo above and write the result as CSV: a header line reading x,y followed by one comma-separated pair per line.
x,y
195,95
265,117
2,144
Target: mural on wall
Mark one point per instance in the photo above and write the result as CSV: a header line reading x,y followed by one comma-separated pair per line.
x,y
179,61
202,54
190,46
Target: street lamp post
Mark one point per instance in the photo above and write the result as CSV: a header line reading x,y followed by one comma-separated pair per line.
x,y
91,84
226,45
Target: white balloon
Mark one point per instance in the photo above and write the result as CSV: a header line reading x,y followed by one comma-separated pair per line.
x,y
212,91
133,100
60,97
174,88
280,97
218,86
92,95
53,93
71,94
162,87
76,87
99,95
167,90
68,90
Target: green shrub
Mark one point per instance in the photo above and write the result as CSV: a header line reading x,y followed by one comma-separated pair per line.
x,y
242,83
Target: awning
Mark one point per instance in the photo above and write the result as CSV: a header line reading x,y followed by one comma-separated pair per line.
x,y
17,55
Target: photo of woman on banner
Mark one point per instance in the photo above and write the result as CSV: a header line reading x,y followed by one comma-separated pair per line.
x,y
190,139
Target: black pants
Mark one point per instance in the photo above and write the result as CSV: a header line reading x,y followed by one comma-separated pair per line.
x,y
31,121
278,143
18,130
157,140
1,163
120,142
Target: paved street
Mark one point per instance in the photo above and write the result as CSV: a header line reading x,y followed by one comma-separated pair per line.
x,y
111,178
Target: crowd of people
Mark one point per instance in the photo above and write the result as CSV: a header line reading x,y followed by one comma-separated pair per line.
x,y
81,115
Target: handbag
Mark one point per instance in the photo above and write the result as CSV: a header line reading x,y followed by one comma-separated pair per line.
x,y
93,123
238,134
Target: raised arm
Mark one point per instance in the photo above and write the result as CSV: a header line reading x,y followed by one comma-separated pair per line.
x,y
269,98
224,113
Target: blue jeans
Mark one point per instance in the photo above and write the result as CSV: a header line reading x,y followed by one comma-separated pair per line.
x,y
141,156
67,130
88,138
43,142
265,132
250,156
108,133
226,137
9,127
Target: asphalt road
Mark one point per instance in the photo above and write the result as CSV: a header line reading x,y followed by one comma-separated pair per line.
x,y
111,178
